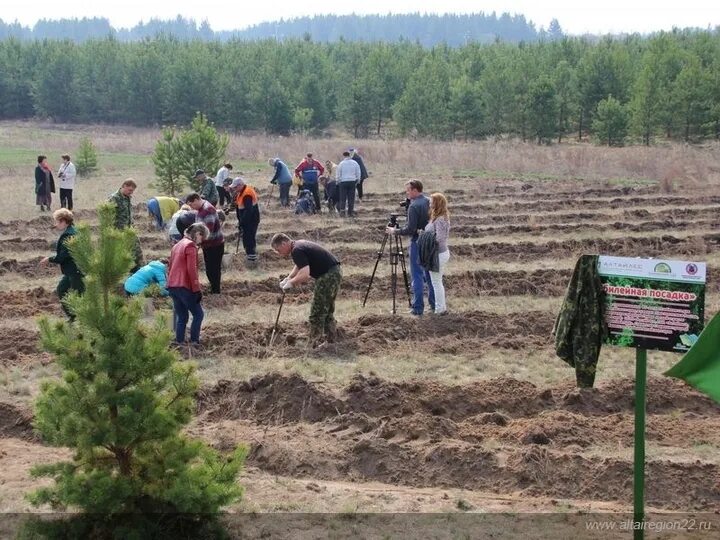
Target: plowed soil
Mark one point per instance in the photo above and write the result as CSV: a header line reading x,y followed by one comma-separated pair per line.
x,y
426,434
487,432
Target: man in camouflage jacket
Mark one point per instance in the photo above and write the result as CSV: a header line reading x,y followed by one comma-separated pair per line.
x,y
123,215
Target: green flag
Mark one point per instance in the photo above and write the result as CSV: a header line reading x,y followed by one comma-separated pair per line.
x,y
700,367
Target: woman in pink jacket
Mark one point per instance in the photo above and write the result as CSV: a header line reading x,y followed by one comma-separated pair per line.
x,y
183,283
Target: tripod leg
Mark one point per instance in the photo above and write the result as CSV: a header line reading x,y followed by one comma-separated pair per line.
x,y
372,277
393,275
404,270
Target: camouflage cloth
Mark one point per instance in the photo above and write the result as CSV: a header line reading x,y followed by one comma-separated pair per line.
x,y
322,311
123,220
123,210
580,328
209,191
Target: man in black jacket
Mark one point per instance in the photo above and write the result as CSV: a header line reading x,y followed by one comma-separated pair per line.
x,y
72,278
363,171
248,214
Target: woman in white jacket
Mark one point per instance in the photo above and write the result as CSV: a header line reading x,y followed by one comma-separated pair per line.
x,y
67,174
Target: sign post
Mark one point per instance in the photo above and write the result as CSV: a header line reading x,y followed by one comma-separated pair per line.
x,y
650,304
639,458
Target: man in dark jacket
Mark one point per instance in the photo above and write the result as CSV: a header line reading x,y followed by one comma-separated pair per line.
x,y
245,202
418,217
363,171
206,187
122,200
72,278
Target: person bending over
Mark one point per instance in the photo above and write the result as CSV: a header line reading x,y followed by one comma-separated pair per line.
x,y
313,261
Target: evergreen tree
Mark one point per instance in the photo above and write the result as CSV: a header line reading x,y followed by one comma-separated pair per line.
x,y
302,118
86,160
166,159
646,103
691,97
356,108
565,82
122,403
554,30
543,110
610,122
201,147
465,108
423,107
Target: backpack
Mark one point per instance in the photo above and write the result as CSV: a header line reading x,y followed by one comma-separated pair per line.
x,y
305,203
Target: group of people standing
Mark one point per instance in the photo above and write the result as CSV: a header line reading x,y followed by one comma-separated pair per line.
x,y
339,181
195,223
45,183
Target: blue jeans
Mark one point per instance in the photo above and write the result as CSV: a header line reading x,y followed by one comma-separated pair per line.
x,y
154,210
420,277
185,302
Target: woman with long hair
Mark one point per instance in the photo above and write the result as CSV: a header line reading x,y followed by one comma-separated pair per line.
x,y
439,224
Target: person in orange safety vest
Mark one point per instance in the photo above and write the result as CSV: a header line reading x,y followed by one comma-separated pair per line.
x,y
245,202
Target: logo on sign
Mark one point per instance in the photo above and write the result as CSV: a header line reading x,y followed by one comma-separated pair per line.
x,y
691,269
662,268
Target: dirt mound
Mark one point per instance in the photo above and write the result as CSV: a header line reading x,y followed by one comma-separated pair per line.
x,y
664,395
383,398
29,303
272,398
374,334
16,422
17,345
29,267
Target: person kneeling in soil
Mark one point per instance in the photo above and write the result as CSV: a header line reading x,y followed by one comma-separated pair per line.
x,y
152,272
313,261
161,209
72,278
183,283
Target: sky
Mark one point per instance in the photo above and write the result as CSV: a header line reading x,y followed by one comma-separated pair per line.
x,y
575,17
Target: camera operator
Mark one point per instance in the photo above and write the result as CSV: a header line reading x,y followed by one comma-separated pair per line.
x,y
417,218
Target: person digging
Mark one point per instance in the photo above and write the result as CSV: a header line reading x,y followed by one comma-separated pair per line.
x,y
313,261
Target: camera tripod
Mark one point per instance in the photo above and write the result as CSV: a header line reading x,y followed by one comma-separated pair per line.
x,y
397,254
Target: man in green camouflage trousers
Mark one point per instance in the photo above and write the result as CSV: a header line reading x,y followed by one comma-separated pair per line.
x,y
123,215
313,261
322,310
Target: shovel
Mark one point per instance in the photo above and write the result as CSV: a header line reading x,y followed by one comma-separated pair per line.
x,y
277,319
272,188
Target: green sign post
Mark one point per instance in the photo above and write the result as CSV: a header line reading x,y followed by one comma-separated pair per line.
x,y
650,304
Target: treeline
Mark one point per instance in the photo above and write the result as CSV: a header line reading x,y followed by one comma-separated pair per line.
x,y
667,85
428,30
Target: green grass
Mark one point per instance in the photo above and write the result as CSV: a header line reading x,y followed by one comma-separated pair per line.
x,y
23,157
631,182
482,174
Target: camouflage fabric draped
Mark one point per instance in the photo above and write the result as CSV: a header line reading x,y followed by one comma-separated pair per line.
x,y
580,328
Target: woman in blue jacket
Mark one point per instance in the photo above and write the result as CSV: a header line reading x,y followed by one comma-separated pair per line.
x,y
153,272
